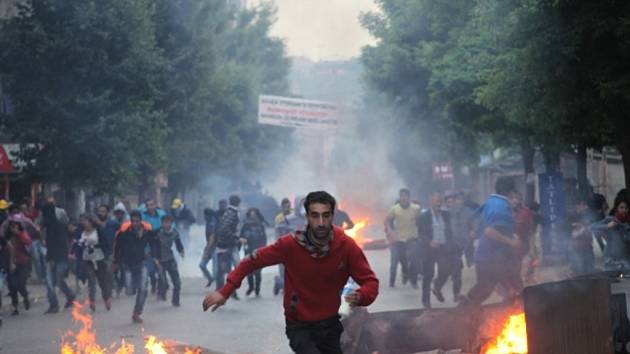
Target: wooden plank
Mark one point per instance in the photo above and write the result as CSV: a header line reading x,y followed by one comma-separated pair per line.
x,y
571,316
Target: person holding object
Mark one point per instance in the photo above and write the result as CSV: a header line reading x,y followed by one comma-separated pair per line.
x,y
318,263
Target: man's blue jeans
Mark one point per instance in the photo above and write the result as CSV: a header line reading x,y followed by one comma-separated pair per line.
x,y
56,277
137,282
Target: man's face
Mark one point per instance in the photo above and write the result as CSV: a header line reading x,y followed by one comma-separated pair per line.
x,y
404,199
136,223
436,201
119,214
286,208
450,203
151,206
516,200
459,202
320,219
102,213
222,205
166,225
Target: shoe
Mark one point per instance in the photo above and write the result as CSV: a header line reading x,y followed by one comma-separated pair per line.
x,y
176,303
15,312
51,310
438,295
108,304
426,304
249,292
93,307
70,302
235,296
27,304
136,318
209,284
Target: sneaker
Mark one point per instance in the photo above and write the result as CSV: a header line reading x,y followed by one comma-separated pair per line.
x,y
235,296
70,302
209,284
51,310
136,318
27,304
438,295
108,304
249,292
15,312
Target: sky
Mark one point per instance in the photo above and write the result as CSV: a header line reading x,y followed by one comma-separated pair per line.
x,y
322,29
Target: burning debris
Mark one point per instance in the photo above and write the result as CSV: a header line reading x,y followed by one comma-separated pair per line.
x,y
84,341
513,337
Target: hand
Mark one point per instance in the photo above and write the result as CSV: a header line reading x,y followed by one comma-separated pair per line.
x,y
214,300
515,242
391,236
354,298
612,224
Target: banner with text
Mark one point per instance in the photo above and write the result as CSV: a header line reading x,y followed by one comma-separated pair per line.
x,y
297,113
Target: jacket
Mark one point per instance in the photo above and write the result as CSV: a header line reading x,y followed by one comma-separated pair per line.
x,y
426,231
254,233
228,225
312,286
130,250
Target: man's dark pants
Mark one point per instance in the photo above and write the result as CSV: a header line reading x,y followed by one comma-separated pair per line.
x,y
407,254
489,275
323,337
170,268
449,264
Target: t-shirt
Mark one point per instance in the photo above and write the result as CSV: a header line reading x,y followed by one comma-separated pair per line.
x,y
405,221
495,213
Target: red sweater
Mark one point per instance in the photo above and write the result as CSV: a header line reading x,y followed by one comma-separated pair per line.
x,y
20,255
312,286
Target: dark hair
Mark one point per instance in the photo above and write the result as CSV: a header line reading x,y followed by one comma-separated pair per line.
x,y
104,206
597,202
504,185
167,218
256,212
90,219
222,202
321,197
405,191
618,200
285,201
135,214
19,224
235,200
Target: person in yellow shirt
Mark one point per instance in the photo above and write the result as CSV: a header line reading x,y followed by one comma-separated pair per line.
x,y
401,228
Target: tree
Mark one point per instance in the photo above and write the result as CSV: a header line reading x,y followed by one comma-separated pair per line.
x,y
82,79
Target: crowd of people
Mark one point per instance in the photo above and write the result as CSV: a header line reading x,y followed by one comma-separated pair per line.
x,y
109,249
500,238
137,252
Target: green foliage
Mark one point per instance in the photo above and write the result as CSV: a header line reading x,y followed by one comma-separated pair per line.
x,y
118,90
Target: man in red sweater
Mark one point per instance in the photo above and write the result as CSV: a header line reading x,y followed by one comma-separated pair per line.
x,y
318,262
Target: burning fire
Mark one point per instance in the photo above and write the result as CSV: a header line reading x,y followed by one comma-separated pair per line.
x,y
512,340
84,341
356,232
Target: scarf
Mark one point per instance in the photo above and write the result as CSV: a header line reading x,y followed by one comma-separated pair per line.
x,y
306,239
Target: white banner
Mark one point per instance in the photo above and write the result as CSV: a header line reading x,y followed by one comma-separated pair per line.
x,y
297,113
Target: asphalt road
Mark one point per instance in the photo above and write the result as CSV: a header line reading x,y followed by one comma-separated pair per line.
x,y
251,325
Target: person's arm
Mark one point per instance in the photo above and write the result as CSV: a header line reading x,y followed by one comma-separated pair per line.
x,y
493,234
362,273
262,257
603,225
118,240
25,238
349,222
179,245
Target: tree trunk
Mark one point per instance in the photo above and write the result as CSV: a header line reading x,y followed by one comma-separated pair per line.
x,y
582,177
528,152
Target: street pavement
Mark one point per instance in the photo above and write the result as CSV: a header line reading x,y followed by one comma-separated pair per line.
x,y
251,325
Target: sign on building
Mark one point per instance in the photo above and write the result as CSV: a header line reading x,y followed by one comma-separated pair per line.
x,y
297,113
443,171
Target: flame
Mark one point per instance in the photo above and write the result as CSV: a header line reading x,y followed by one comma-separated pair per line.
x,y
84,341
356,233
513,338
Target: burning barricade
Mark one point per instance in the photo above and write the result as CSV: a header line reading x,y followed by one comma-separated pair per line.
x,y
84,340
